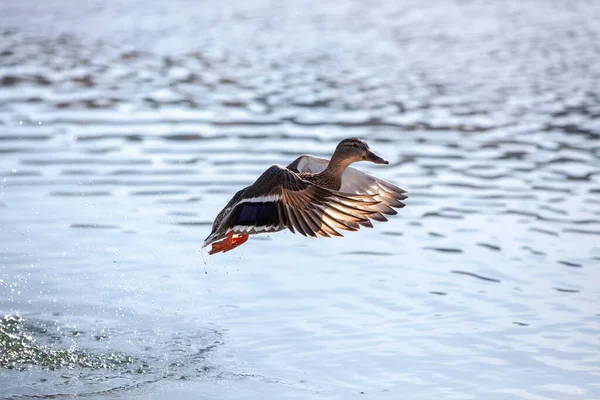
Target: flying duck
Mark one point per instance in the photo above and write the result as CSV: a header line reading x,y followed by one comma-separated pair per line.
x,y
312,196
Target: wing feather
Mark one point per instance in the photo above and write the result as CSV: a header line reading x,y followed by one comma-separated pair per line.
x,y
280,199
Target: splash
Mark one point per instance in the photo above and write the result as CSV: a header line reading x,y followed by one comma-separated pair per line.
x,y
18,348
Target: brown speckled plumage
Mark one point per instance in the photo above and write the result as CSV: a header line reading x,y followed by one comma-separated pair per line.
x,y
310,202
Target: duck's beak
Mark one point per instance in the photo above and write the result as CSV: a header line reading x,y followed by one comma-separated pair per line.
x,y
374,158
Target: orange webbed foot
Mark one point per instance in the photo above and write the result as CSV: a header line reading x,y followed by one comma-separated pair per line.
x,y
228,243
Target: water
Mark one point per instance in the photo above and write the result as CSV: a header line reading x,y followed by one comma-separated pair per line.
x,y
126,127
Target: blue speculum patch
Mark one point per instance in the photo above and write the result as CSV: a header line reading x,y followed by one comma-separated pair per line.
x,y
258,214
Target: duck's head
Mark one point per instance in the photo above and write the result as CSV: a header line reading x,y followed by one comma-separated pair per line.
x,y
355,149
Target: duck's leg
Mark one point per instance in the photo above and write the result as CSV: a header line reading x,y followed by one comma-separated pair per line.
x,y
229,243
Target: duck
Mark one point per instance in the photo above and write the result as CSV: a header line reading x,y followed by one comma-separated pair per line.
x,y
311,196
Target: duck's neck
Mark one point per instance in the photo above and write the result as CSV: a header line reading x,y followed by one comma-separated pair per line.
x,y
334,171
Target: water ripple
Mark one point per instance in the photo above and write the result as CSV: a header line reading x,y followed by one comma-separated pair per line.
x,y
122,137
483,278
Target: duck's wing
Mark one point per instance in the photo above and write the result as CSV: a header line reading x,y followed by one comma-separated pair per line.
x,y
354,181
281,199
307,163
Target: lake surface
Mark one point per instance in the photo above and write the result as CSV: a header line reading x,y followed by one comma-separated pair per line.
x,y
126,126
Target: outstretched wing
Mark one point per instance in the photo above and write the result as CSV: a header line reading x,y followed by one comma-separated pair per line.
x,y
280,199
354,181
